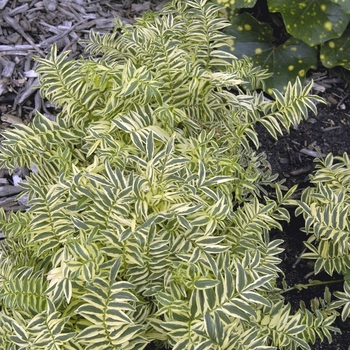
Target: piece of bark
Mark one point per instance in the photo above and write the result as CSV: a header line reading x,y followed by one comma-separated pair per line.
x,y
3,3
9,190
70,13
8,69
300,171
13,23
29,90
49,41
25,24
311,153
12,48
50,5
8,200
4,86
104,23
145,6
14,38
17,10
15,208
11,119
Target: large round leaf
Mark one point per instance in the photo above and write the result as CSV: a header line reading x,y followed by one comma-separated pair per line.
x,y
237,3
312,21
250,36
286,62
336,52
293,58
344,4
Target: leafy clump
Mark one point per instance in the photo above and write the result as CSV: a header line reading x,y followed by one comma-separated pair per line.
x,y
325,208
288,37
149,214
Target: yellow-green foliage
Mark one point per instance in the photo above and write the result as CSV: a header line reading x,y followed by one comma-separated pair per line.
x,y
148,219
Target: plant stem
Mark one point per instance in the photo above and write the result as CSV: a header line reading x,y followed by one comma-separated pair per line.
x,y
313,283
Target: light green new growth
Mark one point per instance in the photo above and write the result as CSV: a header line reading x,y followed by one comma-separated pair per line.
x,y
149,217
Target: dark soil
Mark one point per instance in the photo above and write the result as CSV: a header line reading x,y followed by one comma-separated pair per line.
x,y
300,271
327,132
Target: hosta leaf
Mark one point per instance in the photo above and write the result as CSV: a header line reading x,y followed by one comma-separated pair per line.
x,y
285,62
313,22
336,52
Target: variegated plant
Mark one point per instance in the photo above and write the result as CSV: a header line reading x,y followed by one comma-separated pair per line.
x,y
149,217
325,207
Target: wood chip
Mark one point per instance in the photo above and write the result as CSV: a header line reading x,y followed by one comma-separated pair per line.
x,y
300,171
9,190
311,153
3,3
11,119
8,68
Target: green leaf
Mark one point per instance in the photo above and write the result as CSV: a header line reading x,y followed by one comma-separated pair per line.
x,y
256,298
48,246
150,145
130,87
204,283
239,308
238,4
313,22
20,331
336,52
241,278
114,270
205,345
79,224
252,134
201,173
344,4
259,282
215,180
250,37
287,61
